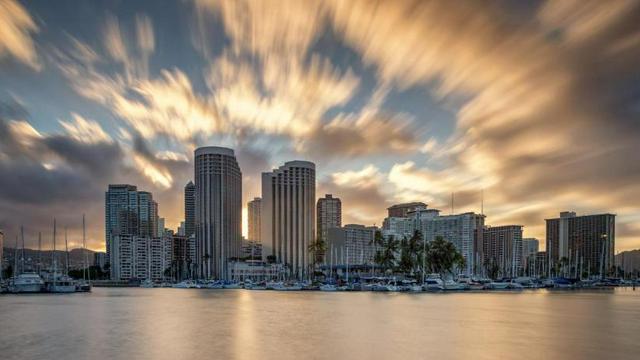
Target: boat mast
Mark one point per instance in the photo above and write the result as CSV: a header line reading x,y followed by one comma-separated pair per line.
x,y
22,259
39,252
53,254
15,260
66,250
84,248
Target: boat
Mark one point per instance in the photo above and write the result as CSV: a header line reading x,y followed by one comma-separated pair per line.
x,y
328,287
287,287
211,285
451,285
232,286
148,283
384,287
61,284
255,286
515,286
433,284
185,284
55,282
28,282
83,286
498,285
415,288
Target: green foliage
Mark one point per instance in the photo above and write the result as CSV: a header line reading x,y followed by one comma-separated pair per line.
x,y
411,253
318,249
385,256
94,273
492,268
443,257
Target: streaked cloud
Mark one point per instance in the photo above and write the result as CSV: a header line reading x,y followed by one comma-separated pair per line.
x,y
536,105
16,29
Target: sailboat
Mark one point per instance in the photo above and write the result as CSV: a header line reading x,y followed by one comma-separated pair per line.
x,y
85,284
24,282
59,283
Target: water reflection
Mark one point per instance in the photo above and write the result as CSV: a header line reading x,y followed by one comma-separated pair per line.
x,y
178,324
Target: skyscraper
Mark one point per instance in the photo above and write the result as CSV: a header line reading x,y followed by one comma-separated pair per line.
x,y
329,212
218,215
121,212
253,208
288,214
189,209
530,247
582,242
401,210
463,230
502,245
129,212
147,215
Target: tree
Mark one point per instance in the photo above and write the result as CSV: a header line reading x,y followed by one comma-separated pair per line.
x,y
386,256
8,272
318,249
443,256
411,254
492,268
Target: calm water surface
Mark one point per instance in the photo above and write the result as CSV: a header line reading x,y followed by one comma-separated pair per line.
x,y
239,324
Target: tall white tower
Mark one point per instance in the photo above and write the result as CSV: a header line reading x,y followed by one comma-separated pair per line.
x,y
218,217
288,215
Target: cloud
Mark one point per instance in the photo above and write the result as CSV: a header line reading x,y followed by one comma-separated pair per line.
x,y
361,193
16,27
83,130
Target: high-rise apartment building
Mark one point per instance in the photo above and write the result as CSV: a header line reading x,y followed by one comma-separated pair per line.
x,y
351,244
582,242
189,209
530,246
253,212
218,214
141,258
502,246
329,213
288,215
147,215
401,210
129,212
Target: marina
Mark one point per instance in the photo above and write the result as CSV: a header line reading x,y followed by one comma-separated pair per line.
x,y
168,323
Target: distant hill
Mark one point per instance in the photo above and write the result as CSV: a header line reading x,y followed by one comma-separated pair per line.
x,y
31,256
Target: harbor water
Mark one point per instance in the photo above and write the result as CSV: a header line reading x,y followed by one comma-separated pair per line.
x,y
165,323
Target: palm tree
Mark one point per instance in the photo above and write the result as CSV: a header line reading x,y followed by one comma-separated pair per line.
x,y
492,268
443,256
317,249
388,254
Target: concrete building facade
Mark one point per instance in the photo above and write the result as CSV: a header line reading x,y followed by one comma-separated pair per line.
x,y
329,215
218,210
288,215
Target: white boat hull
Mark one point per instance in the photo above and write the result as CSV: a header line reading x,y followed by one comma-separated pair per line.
x,y
62,289
25,289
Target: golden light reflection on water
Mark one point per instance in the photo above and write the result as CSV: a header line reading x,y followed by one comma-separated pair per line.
x,y
237,324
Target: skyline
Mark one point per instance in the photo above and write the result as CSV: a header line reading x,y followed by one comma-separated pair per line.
x,y
534,106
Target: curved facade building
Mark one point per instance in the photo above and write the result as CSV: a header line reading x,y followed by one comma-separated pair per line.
x,y
288,215
218,213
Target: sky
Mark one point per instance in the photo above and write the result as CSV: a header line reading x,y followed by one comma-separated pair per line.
x,y
535,105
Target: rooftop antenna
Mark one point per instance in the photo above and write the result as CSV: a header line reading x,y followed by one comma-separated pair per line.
x,y
482,202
